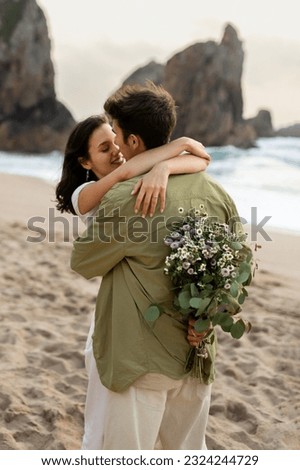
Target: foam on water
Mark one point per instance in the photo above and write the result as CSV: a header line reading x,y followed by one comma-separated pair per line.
x,y
45,166
266,177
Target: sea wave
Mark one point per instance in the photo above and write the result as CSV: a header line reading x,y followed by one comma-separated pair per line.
x,y
45,166
266,177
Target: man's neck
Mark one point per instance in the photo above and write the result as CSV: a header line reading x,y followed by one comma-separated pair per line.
x,y
140,149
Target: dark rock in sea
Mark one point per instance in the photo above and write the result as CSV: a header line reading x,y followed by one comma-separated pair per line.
x,y
205,81
31,118
262,124
290,131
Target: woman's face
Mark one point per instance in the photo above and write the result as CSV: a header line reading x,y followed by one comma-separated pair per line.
x,y
104,154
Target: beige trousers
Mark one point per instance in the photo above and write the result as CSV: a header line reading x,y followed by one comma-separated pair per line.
x,y
158,413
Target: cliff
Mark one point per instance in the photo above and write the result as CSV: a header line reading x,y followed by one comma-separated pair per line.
x,y
289,131
31,118
205,80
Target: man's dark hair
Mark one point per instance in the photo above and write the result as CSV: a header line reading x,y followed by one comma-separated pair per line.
x,y
147,111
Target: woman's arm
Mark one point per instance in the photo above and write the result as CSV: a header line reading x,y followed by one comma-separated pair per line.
x,y
153,185
91,195
145,161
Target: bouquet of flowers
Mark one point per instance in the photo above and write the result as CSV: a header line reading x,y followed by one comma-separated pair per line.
x,y
209,266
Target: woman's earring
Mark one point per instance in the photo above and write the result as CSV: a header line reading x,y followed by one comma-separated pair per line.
x,y
87,175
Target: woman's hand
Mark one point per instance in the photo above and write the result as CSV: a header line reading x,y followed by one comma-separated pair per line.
x,y
193,337
151,188
153,185
194,147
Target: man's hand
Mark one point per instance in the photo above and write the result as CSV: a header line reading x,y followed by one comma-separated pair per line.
x,y
193,337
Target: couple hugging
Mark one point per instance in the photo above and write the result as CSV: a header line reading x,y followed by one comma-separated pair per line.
x,y
116,178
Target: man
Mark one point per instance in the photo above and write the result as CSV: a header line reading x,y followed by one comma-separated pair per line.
x,y
152,400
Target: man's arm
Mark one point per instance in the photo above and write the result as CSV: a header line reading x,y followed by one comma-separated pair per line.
x,y
103,244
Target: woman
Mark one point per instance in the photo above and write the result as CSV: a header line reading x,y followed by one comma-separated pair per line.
x,y
92,156
92,165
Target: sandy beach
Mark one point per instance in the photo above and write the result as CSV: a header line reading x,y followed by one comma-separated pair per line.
x,y
45,314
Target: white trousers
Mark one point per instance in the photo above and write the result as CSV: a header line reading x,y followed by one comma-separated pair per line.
x,y
96,400
156,412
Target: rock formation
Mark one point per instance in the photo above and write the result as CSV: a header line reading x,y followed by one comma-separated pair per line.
x,y
205,81
31,118
262,124
152,71
289,131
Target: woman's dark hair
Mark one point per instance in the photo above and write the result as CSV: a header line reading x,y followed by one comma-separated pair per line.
x,y
73,174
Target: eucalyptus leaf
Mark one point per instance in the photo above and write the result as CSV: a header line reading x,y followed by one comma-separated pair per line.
x,y
234,289
186,288
225,319
184,299
152,313
244,272
232,305
203,305
226,328
238,329
243,277
195,302
202,325
206,291
244,266
217,318
236,245
224,297
194,290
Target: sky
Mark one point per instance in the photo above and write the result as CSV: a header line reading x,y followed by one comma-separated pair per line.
x,y
96,44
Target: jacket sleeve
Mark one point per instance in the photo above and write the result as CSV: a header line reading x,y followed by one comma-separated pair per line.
x,y
103,245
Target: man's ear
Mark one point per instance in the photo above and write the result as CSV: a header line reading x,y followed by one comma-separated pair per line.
x,y
84,163
134,141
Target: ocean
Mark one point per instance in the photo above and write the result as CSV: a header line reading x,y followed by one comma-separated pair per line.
x,y
263,181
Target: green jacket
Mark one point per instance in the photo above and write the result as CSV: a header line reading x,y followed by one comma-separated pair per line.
x,y
129,252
